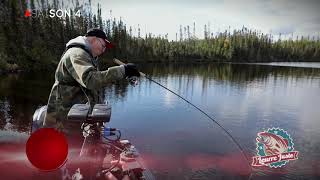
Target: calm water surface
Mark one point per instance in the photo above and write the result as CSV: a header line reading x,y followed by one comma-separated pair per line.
x,y
179,142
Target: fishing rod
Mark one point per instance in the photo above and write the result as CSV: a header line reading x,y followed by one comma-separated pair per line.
x,y
117,61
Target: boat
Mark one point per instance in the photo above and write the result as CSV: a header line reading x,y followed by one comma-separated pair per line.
x,y
105,155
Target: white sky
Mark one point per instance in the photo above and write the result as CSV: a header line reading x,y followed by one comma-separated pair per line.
x,y
300,17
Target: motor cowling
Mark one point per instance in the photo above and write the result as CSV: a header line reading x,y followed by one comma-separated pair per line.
x,y
38,118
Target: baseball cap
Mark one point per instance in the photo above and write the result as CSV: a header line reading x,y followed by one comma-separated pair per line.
x,y
100,34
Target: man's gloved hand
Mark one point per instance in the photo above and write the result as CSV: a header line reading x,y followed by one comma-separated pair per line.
x,y
131,70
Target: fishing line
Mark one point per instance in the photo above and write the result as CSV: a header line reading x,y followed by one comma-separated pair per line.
x,y
147,77
187,101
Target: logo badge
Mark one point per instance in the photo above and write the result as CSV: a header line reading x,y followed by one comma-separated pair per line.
x,y
274,149
27,13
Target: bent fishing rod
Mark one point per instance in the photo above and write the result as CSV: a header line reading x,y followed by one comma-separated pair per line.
x,y
117,61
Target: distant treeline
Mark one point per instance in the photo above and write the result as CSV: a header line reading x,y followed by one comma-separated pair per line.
x,y
37,42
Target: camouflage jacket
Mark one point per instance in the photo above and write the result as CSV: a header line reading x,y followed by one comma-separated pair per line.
x,y
77,80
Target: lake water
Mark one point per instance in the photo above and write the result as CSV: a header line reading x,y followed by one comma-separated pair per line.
x,y
179,142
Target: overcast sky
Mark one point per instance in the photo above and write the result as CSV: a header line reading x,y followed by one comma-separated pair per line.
x,y
300,17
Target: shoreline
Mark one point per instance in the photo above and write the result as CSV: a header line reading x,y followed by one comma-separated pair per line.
x,y
110,63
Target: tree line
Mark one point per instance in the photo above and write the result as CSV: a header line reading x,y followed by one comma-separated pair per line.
x,y
37,42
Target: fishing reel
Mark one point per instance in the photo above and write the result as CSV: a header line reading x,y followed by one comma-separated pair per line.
x,y
133,80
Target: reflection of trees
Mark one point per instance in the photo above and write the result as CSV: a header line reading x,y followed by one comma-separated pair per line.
x,y
228,72
24,93
5,112
116,91
34,87
240,75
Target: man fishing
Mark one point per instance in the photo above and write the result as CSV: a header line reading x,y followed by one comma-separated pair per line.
x,y
78,79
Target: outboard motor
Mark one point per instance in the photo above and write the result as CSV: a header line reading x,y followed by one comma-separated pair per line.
x,y
38,118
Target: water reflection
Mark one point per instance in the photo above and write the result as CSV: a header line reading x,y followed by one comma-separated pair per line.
x,y
177,141
20,96
5,109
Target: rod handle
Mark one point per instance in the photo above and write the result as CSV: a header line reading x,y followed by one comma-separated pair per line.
x,y
117,61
